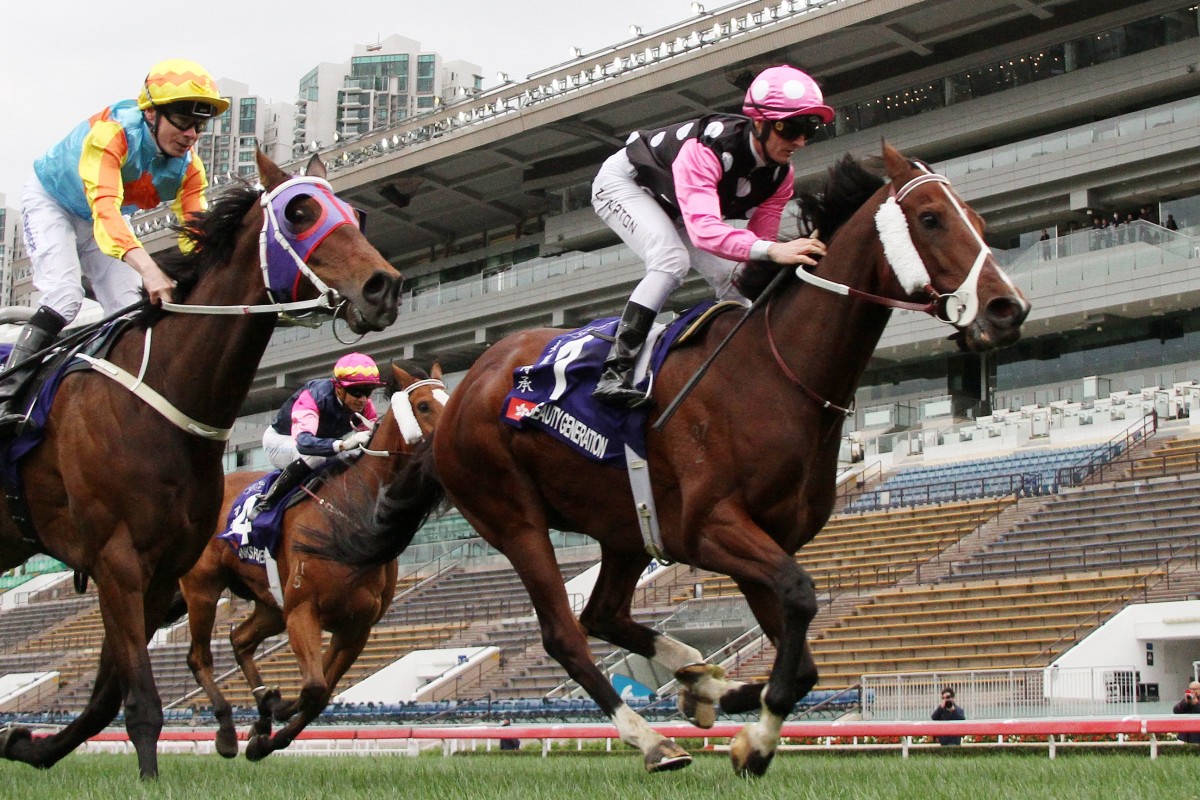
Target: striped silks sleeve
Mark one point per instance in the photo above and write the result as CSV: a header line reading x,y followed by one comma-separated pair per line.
x,y
104,151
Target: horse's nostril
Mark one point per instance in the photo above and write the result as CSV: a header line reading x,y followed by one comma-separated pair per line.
x,y
1007,311
381,288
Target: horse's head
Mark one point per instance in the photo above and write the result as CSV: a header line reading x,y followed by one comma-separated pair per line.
x,y
417,404
311,231
934,244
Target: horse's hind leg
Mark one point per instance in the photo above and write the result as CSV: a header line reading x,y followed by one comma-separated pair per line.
x,y
532,555
202,601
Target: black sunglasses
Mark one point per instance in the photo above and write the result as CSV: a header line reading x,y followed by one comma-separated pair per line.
x,y
359,391
186,123
793,128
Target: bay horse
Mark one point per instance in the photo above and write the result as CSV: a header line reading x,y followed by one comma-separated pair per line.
x,y
744,473
318,595
122,493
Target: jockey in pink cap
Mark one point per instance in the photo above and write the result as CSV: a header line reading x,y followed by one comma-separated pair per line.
x,y
668,192
322,419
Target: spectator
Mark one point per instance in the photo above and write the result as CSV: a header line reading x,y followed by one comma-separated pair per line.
x,y
948,710
1171,225
1190,704
509,743
1045,239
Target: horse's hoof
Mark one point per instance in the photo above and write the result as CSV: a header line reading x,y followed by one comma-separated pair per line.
x,y
258,748
701,712
747,761
11,735
227,743
666,757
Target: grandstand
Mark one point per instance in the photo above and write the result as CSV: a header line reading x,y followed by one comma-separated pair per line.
x,y
997,511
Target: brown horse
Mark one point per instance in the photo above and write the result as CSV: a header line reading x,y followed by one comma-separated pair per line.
x,y
119,491
743,475
317,594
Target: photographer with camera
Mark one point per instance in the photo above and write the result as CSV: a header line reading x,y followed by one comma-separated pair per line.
x,y
948,710
1190,704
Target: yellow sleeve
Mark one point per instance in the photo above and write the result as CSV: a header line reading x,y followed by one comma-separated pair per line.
x,y
191,198
104,152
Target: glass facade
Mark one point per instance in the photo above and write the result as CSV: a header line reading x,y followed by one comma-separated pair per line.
x,y
425,73
247,115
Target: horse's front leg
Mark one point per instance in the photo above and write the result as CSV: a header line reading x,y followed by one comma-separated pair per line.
x,y
18,744
202,608
784,602
264,622
793,675
304,635
126,605
608,617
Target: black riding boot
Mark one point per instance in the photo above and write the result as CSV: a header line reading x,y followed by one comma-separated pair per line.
x,y
291,477
37,334
614,385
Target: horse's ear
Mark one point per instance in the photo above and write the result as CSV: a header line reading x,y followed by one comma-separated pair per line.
x,y
435,371
315,167
897,165
269,174
402,378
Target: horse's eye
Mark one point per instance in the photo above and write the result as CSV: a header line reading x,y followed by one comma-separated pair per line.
x,y
296,212
424,407
929,220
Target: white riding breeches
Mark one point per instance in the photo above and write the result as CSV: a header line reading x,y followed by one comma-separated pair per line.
x,y
281,450
62,249
663,245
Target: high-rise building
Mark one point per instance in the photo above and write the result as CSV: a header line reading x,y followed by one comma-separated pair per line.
x,y
8,231
382,84
227,146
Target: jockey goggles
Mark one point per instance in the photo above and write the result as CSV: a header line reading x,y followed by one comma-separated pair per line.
x,y
792,128
185,122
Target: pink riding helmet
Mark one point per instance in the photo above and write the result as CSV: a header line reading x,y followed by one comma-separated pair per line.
x,y
782,92
356,368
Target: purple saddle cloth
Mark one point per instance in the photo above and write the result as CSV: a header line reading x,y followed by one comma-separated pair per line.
x,y
554,394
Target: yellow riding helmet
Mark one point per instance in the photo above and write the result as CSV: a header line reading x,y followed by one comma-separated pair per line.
x,y
179,80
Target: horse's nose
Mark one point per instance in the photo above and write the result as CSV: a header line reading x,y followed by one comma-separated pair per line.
x,y
1007,312
382,291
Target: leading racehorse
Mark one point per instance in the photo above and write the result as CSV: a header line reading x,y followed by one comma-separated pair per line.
x,y
317,594
743,475
125,487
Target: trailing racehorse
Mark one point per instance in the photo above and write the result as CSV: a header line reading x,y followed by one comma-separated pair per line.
x,y
743,474
317,594
125,487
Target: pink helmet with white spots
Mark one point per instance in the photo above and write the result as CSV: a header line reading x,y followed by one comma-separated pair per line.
x,y
782,92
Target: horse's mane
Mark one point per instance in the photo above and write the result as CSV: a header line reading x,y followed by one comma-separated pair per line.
x,y
848,185
213,235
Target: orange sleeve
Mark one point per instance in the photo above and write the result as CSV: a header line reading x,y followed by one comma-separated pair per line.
x,y
104,152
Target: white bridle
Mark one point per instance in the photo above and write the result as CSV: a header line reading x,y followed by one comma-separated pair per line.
x,y
958,308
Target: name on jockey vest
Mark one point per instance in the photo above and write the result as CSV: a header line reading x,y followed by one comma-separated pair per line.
x,y
744,184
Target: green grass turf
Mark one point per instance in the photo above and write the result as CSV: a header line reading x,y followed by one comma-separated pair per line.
x,y
927,775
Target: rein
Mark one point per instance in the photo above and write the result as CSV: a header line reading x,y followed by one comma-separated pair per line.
x,y
272,237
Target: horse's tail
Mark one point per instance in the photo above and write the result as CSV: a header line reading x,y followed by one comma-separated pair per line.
x,y
383,531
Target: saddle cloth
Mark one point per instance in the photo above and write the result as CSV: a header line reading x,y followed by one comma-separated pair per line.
x,y
554,394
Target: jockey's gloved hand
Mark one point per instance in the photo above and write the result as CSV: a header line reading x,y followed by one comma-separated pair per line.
x,y
354,441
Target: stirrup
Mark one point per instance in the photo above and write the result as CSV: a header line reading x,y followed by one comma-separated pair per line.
x,y
259,507
621,395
